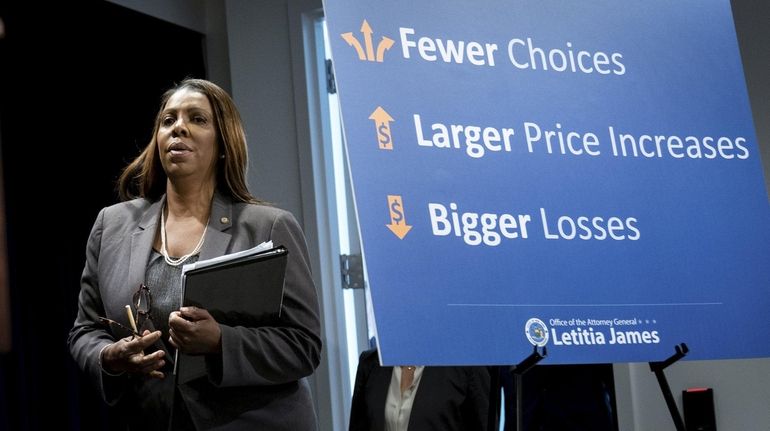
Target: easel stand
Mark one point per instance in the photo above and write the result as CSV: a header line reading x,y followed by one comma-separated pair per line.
x,y
518,376
657,368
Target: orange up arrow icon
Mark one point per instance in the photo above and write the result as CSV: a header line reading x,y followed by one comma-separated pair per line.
x,y
382,124
397,218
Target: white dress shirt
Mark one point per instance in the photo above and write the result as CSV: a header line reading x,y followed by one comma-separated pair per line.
x,y
398,406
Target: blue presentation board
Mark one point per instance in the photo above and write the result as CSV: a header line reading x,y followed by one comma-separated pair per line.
x,y
578,175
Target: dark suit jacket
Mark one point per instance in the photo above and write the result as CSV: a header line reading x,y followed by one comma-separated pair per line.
x,y
448,398
258,379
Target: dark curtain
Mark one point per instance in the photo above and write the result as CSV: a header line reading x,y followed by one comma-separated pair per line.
x,y
79,86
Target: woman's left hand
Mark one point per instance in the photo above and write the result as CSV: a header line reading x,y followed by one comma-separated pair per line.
x,y
194,331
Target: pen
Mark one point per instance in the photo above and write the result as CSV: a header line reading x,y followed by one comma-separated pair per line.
x,y
131,319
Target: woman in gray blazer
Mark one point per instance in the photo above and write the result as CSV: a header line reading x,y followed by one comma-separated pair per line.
x,y
185,198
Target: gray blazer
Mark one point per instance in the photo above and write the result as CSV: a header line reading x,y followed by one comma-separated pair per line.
x,y
258,381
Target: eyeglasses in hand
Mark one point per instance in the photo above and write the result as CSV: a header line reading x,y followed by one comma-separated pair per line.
x,y
142,300
108,322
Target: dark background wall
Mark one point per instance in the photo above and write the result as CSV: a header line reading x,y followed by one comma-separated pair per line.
x,y
752,25
79,87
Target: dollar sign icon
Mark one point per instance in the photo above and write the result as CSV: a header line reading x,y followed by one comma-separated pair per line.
x,y
396,213
383,133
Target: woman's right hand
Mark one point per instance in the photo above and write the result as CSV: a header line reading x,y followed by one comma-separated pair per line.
x,y
127,355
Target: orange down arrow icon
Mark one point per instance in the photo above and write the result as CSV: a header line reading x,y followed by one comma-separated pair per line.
x,y
397,218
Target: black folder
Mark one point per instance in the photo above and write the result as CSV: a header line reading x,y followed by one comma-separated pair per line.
x,y
243,291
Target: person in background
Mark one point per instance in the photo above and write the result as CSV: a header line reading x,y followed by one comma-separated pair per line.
x,y
574,397
419,398
185,198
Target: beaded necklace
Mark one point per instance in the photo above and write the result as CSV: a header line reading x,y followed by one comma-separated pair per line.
x,y
164,251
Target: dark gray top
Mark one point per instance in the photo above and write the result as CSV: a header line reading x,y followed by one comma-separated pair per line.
x,y
165,284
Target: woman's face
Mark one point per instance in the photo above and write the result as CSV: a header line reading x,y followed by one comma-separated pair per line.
x,y
187,137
